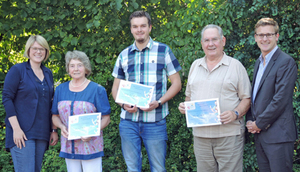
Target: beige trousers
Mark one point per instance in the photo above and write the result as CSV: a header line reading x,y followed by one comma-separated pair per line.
x,y
223,154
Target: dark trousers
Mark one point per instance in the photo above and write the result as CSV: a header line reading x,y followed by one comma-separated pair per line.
x,y
274,157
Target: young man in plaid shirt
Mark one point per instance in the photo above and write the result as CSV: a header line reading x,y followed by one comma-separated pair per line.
x,y
150,63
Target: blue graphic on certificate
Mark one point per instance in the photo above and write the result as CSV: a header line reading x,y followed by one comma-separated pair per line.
x,y
134,94
84,125
202,113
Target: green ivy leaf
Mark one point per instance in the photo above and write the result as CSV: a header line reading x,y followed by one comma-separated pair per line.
x,y
56,55
135,5
96,23
89,25
89,5
23,14
98,59
74,41
64,44
118,4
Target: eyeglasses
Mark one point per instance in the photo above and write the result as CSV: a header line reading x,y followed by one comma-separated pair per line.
x,y
38,49
268,35
207,41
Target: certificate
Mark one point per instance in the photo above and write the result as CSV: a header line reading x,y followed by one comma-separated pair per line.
x,y
202,113
84,125
134,94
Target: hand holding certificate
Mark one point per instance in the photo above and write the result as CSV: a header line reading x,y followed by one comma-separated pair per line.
x,y
202,113
134,94
84,125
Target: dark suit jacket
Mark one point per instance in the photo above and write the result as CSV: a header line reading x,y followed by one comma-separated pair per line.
x,y
20,96
273,109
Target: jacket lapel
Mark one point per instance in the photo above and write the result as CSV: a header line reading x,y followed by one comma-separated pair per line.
x,y
255,72
269,67
31,74
256,66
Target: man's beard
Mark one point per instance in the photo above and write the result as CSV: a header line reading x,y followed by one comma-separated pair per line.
x,y
141,40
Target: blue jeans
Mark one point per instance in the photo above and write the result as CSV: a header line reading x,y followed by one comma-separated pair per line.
x,y
154,136
30,157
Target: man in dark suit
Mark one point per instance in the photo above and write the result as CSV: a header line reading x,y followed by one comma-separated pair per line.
x,y
272,118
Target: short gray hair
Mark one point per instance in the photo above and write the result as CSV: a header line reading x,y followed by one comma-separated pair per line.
x,y
81,56
212,26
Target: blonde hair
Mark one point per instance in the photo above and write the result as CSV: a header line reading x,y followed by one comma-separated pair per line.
x,y
81,56
267,22
40,40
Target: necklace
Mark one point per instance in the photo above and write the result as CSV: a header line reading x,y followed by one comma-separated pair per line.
x,y
79,85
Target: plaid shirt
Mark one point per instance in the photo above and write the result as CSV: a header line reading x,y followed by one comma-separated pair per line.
x,y
151,66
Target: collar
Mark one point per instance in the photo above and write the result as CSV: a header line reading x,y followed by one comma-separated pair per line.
x,y
28,66
149,45
268,56
224,61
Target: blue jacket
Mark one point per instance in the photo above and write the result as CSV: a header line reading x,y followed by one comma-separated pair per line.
x,y
20,96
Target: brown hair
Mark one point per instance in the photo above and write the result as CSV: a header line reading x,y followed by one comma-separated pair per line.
x,y
140,14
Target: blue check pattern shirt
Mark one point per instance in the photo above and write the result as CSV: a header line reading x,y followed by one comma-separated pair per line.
x,y
151,66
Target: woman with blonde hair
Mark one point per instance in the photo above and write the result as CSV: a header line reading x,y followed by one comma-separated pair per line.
x,y
27,97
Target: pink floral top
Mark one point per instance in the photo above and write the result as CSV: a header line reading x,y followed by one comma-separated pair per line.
x,y
90,100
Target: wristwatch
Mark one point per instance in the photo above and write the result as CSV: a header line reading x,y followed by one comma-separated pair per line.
x,y
54,130
159,102
237,114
